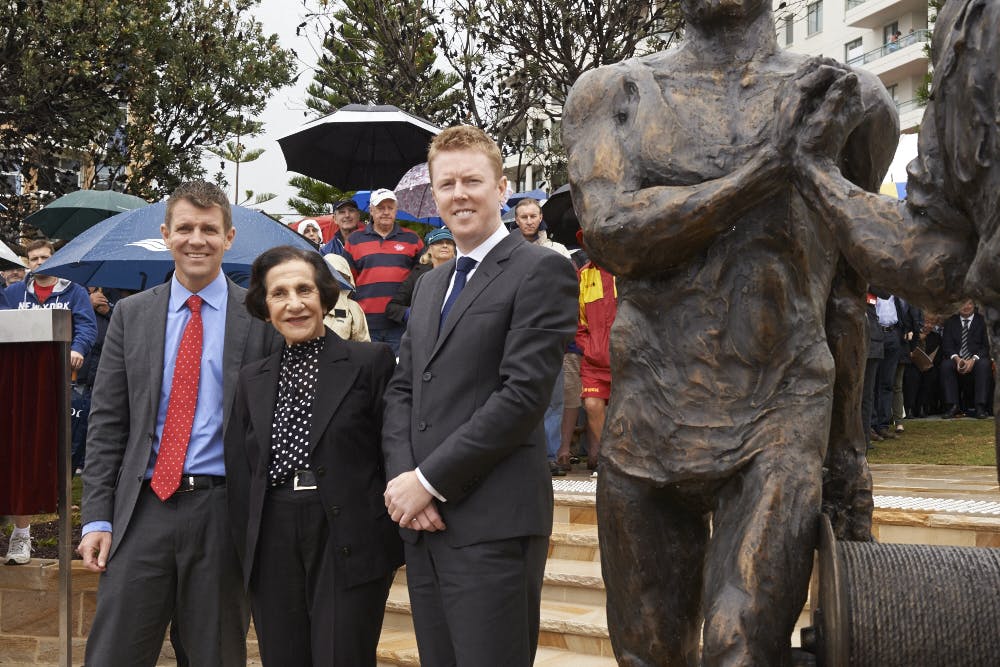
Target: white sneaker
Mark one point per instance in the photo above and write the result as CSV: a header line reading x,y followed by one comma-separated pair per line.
x,y
19,550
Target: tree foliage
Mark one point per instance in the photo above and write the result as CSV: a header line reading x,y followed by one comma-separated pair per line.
x,y
516,58
204,66
314,197
133,90
381,52
510,63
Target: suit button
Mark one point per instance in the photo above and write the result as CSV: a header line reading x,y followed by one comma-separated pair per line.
x,y
421,426
320,471
335,511
427,376
345,551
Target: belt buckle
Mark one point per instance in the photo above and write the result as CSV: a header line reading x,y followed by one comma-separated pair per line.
x,y
187,484
301,487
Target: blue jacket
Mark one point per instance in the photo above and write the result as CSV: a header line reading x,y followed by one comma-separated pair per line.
x,y
66,295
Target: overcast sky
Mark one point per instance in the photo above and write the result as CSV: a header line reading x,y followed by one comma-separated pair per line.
x,y
283,115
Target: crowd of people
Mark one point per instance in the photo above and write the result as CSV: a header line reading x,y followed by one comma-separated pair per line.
x,y
922,364
249,452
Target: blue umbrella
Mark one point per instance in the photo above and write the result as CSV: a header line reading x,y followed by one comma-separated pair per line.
x,y
127,250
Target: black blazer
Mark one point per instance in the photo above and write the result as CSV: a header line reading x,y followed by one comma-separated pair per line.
x,y
951,337
345,455
466,403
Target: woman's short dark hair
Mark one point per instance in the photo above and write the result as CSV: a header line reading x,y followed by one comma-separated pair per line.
x,y
256,299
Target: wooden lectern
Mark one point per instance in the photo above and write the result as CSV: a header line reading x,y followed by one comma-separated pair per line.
x,y
35,431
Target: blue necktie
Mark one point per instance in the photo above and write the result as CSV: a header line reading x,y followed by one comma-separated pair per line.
x,y
462,268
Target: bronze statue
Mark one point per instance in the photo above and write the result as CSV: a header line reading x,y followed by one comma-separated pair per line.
x,y
683,171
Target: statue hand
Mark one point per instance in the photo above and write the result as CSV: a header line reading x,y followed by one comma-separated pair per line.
x,y
822,92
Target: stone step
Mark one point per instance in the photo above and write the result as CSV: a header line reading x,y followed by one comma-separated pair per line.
x,y
574,541
575,627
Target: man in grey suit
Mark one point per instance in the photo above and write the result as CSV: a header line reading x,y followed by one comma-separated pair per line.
x,y
168,553
462,436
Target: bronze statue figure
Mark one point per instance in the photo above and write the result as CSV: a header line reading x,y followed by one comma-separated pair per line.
x,y
730,284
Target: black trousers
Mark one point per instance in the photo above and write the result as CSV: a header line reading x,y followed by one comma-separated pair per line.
x,y
301,615
980,376
476,605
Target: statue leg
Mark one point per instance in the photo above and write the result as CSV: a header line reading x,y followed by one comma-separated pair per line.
x,y
760,556
652,550
847,481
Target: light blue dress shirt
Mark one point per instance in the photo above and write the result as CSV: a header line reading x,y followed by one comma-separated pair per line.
x,y
204,453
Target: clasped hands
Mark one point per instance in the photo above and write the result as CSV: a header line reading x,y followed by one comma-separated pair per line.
x,y
815,111
965,366
411,505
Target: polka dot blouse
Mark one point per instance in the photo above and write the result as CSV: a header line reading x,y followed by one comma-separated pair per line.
x,y
293,410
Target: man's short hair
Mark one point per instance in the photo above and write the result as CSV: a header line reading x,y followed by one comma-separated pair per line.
x,y
39,243
525,202
203,195
256,297
466,137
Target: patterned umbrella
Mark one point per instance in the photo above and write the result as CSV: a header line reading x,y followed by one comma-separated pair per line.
x,y
413,193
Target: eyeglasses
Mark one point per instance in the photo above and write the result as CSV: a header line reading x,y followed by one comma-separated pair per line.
x,y
304,293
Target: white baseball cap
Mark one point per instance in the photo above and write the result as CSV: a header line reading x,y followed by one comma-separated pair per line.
x,y
380,195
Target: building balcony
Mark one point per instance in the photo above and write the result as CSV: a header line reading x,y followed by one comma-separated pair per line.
x,y
873,14
897,60
911,112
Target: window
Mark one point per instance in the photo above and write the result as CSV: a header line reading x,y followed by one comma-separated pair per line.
x,y
852,50
892,91
814,18
789,30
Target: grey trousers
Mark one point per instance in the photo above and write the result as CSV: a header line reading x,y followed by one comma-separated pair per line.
x,y
176,562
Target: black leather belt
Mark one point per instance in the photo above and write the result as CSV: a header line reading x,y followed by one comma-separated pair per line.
x,y
198,482
302,480
889,328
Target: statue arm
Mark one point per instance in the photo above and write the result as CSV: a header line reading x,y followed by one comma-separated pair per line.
x,y
635,229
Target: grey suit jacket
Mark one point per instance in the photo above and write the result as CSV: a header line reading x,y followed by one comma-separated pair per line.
x,y
126,397
466,404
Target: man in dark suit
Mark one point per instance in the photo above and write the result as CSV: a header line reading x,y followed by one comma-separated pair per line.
x,y
966,351
156,524
465,450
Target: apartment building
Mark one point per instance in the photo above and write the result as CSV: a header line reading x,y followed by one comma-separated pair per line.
x,y
886,37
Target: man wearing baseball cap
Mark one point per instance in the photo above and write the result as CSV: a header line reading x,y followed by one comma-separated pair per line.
x,y
347,216
381,255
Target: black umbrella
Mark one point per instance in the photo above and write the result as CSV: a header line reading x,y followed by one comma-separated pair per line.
x,y
559,216
359,147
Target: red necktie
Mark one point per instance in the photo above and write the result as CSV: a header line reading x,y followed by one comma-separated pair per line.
x,y
180,407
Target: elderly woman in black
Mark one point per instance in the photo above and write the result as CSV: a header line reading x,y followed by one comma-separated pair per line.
x,y
305,475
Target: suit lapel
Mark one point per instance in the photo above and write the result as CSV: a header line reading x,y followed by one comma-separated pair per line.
x,y
262,394
237,330
154,341
336,377
488,270
426,319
